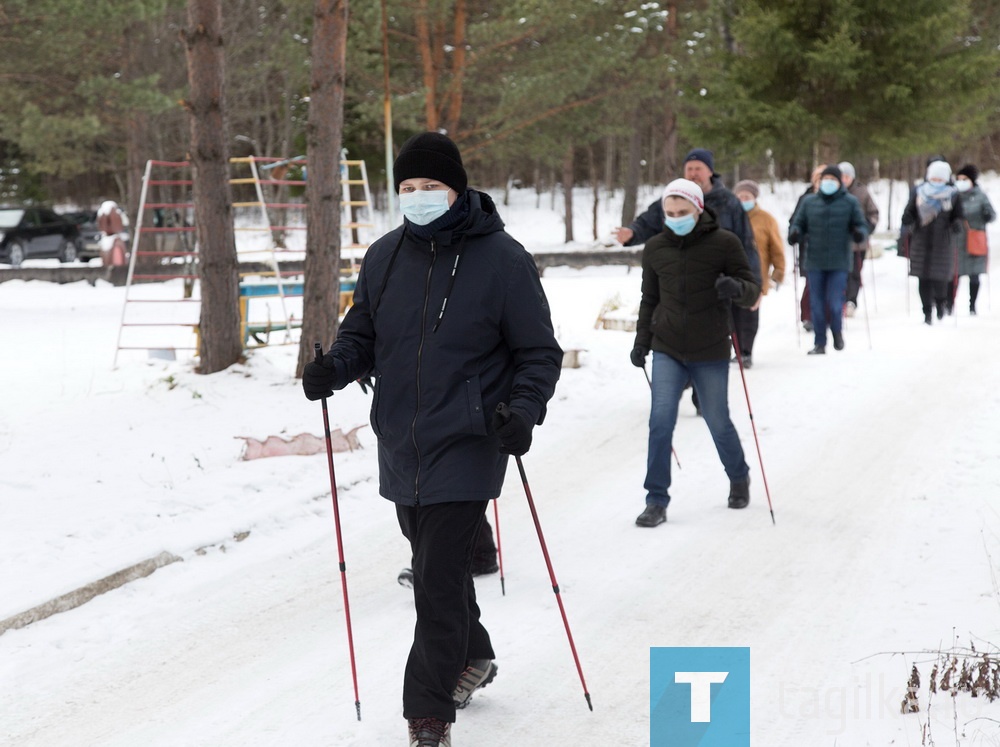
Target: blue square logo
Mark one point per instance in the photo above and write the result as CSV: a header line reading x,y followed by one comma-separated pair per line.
x,y
699,697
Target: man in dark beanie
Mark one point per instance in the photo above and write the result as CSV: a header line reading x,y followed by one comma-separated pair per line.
x,y
699,167
450,319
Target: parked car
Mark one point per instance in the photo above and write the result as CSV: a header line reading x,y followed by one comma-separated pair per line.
x,y
34,232
90,234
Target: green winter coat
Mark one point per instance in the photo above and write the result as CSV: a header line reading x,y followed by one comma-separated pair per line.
x,y
680,313
978,212
827,223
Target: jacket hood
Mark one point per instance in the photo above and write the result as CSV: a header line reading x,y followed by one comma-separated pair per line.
x,y
482,219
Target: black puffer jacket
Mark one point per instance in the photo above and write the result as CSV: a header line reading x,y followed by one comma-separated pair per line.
x,y
680,313
932,249
449,327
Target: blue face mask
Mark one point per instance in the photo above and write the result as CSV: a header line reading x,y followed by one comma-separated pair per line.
x,y
829,186
424,206
748,205
681,226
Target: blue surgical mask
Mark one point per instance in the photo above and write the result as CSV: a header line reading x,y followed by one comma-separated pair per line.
x,y
681,226
748,205
829,186
424,206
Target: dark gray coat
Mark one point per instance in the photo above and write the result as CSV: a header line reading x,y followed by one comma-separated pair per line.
x,y
932,248
828,222
441,369
978,211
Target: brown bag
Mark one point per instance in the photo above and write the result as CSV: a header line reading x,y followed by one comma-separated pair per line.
x,y
975,242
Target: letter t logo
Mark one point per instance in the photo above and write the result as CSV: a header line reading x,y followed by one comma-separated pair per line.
x,y
701,692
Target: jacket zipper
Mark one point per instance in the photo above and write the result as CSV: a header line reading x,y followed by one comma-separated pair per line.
x,y
420,352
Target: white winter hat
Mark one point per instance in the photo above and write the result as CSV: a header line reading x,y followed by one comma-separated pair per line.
x,y
688,190
847,169
939,170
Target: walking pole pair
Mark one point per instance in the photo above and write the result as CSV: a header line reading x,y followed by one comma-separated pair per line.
x,y
753,423
795,295
340,544
504,412
672,449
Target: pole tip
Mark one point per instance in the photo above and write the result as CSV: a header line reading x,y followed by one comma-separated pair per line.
x,y
357,706
589,704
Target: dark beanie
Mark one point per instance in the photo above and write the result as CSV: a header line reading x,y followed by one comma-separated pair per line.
x,y
970,171
430,155
834,172
700,154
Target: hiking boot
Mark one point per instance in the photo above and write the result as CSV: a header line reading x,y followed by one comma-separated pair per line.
x,y
849,308
927,318
739,493
807,326
940,311
484,566
818,350
478,674
429,732
748,361
651,516
838,340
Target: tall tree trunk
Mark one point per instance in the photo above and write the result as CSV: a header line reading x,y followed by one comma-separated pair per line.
x,y
567,180
458,70
324,132
595,185
220,344
430,74
632,168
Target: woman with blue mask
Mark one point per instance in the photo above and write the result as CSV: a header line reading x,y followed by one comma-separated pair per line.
x,y
691,272
830,221
933,215
450,319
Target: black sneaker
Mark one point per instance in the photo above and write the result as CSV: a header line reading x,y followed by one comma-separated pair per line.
x,y
652,516
807,326
940,311
748,361
477,675
927,319
484,566
405,578
838,341
429,732
818,350
739,493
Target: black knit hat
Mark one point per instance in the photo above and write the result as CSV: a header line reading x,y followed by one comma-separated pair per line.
x,y
703,155
430,155
970,171
834,172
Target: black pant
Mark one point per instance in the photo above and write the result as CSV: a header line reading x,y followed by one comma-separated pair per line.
x,y
448,632
854,277
973,291
745,322
932,292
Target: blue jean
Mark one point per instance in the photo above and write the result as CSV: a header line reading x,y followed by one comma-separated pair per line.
x,y
711,383
827,289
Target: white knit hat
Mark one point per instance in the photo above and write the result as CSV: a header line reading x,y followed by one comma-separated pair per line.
x,y
939,170
688,190
847,169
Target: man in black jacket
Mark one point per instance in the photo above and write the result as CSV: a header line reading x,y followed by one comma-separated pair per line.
x,y
450,318
691,273
699,167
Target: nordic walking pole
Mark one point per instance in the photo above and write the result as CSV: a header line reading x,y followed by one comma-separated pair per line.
x,y
340,543
868,329
871,263
672,449
505,414
753,423
795,295
496,520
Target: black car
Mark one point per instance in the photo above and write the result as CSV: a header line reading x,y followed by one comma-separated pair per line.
x,y
90,235
34,232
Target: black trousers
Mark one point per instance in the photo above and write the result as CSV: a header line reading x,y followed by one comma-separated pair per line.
x,y
745,322
448,632
854,277
932,292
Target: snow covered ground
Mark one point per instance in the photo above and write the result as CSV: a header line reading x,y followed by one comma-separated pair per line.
x,y
882,464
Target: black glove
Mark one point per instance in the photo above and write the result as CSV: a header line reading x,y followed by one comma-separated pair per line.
x,y
367,383
514,431
638,356
858,236
728,288
794,237
318,378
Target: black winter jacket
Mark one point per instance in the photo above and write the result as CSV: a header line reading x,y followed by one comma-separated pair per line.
x,y
680,313
449,327
828,222
932,250
728,211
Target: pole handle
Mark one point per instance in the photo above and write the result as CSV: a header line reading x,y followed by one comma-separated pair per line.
x,y
318,350
504,411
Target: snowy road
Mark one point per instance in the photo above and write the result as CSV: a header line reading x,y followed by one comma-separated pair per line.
x,y
883,469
